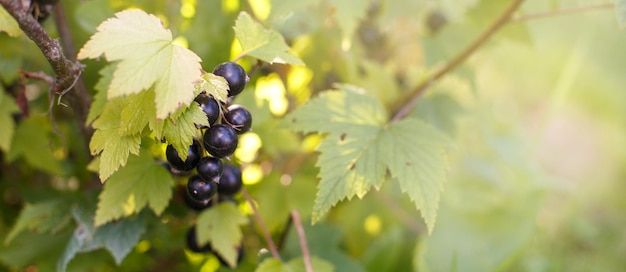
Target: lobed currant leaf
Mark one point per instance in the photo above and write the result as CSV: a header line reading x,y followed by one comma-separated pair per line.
x,y
220,225
259,42
146,58
142,182
360,148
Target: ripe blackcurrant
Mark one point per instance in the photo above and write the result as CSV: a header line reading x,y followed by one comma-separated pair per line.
x,y
192,158
239,118
234,75
196,206
230,182
200,190
210,107
210,168
220,140
192,242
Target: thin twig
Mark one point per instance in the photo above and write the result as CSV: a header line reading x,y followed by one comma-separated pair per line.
x,y
81,95
402,109
308,265
66,70
259,220
560,12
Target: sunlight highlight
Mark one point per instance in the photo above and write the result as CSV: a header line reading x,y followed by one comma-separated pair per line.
x,y
261,8
272,89
252,174
372,224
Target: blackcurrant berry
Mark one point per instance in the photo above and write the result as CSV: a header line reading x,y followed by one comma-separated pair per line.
x,y
200,206
209,106
200,190
220,140
192,242
189,163
239,118
210,168
196,206
230,182
234,75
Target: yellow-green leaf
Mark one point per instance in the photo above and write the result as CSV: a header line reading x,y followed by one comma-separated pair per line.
x,y
220,226
7,126
8,23
361,147
142,182
264,44
147,57
216,86
113,147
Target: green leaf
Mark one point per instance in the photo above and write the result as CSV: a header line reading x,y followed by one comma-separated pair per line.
x,y
114,149
48,216
147,57
270,265
216,86
100,99
137,112
417,160
295,265
31,143
264,44
324,241
8,23
620,11
319,265
7,126
360,147
220,226
118,237
31,248
142,182
334,110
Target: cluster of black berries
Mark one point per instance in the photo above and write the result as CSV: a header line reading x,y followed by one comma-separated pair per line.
x,y
220,140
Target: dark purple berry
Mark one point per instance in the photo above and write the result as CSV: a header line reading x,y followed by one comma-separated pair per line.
x,y
239,118
200,190
220,140
192,242
234,75
200,206
209,106
230,182
210,168
196,206
189,163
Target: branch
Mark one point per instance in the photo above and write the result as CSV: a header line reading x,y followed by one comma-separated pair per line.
x,y
67,72
259,220
308,265
402,109
559,12
80,98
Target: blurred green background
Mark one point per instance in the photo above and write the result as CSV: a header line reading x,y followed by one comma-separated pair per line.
x,y
537,116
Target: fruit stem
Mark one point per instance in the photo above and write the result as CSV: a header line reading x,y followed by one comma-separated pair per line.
x,y
259,220
402,109
308,265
